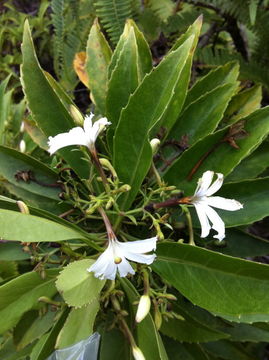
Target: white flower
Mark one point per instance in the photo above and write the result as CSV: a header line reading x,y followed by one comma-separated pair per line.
x,y
114,257
202,200
79,136
22,146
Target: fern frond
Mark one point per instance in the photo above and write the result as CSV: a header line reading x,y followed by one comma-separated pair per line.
x,y
58,23
112,15
248,71
163,9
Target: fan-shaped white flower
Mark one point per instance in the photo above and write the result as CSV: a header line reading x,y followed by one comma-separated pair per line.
x,y
203,202
79,136
114,257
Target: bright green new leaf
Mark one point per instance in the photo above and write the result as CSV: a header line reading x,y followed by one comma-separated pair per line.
x,y
98,57
221,284
78,286
28,228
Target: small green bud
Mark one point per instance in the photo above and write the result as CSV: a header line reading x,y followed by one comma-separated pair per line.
x,y
76,115
158,318
107,165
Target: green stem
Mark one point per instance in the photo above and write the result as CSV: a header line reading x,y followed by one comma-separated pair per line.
x,y
189,221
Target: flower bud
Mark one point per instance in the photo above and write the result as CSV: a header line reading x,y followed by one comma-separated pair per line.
x,y
137,353
155,144
125,188
143,308
76,115
158,318
23,207
22,127
107,165
22,146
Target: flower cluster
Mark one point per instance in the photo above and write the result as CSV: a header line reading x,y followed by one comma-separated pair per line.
x,y
115,257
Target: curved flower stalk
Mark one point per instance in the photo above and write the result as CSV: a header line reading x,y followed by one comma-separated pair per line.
x,y
85,136
115,257
203,203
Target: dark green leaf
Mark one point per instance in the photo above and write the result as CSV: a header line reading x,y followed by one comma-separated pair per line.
x,y
12,251
21,294
216,282
211,153
148,338
47,108
133,155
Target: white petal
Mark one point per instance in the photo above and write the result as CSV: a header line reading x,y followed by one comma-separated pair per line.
x,y
217,223
88,123
216,185
140,246
75,136
205,226
204,183
96,129
140,258
223,203
104,266
125,268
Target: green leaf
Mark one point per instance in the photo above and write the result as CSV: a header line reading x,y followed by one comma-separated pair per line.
x,y
8,269
78,286
246,332
133,155
243,104
212,153
252,166
98,55
47,107
29,228
220,76
46,345
78,325
9,352
131,61
216,282
12,162
201,117
190,331
180,351
148,338
253,194
31,327
227,350
241,244
176,102
114,346
21,294
12,251
3,107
